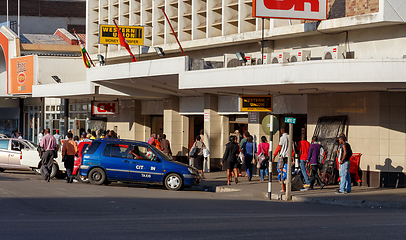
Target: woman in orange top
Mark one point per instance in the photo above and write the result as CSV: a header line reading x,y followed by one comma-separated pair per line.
x,y
69,150
158,142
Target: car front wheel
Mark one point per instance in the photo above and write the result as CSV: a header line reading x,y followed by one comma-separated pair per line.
x,y
97,176
173,182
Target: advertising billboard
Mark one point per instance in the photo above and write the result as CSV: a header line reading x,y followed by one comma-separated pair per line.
x,y
105,108
134,35
290,9
255,103
21,75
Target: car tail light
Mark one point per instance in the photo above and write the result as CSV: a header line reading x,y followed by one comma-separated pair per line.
x,y
21,155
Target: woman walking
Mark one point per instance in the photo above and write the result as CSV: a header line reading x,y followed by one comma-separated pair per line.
x,y
69,150
230,157
249,151
263,148
198,159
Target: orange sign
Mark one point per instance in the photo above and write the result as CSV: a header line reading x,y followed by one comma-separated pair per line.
x,y
4,50
21,75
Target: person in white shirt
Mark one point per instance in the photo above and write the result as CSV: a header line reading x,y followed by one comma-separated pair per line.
x,y
58,139
40,136
283,156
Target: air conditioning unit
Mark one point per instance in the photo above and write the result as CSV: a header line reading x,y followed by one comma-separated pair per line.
x,y
281,57
230,60
249,60
300,56
335,52
266,58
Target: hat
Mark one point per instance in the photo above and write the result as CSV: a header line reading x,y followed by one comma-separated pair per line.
x,y
57,130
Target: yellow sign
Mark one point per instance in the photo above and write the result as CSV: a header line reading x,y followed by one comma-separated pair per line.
x,y
254,103
108,34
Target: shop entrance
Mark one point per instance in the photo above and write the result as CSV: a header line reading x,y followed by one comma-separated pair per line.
x,y
238,125
32,119
157,125
196,124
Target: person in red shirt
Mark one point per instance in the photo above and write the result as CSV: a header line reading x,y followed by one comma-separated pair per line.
x,y
303,149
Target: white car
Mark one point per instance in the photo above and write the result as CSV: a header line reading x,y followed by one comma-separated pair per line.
x,y
22,154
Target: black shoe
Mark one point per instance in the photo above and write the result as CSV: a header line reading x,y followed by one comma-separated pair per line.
x,y
48,178
71,179
249,179
321,186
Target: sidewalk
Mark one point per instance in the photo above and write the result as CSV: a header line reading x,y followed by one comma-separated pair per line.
x,y
359,197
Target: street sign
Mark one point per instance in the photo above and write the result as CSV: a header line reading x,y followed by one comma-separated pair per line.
x,y
134,35
290,120
266,124
256,103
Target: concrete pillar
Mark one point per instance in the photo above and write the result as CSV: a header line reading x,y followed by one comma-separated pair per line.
x,y
142,123
176,128
214,133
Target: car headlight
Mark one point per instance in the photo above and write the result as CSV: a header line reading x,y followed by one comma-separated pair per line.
x,y
191,170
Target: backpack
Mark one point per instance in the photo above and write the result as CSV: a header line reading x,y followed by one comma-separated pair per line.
x,y
321,157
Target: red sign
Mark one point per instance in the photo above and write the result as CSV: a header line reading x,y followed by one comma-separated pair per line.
x,y
290,9
105,108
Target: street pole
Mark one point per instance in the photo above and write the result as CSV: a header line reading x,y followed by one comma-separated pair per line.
x,y
270,158
289,170
262,42
18,19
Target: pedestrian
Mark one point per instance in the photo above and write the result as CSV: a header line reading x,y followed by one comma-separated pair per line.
x,y
58,139
263,148
151,140
202,135
158,142
112,134
303,150
40,136
93,137
249,150
48,142
283,158
345,154
69,150
198,160
230,158
313,158
76,139
89,133
166,146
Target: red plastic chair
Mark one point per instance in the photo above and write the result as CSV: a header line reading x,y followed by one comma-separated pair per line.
x,y
354,166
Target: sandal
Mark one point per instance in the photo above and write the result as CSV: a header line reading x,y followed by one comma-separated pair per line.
x,y
236,180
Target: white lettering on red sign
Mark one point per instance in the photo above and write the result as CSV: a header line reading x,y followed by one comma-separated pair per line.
x,y
105,108
292,9
248,58
299,54
264,57
280,55
334,49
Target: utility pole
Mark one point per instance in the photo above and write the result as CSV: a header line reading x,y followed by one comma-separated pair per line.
x,y
291,121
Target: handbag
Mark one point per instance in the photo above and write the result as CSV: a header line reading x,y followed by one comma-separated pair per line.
x,y
262,157
206,152
241,158
193,152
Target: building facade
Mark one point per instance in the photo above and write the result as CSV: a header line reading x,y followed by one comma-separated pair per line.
x,y
348,65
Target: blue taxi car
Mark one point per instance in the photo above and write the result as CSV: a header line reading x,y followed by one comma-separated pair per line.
x,y
127,160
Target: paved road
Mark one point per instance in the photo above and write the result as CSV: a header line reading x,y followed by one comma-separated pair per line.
x,y
34,209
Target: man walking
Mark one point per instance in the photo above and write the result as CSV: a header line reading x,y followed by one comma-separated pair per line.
x,y
48,142
283,156
314,152
303,148
345,154
58,138
165,145
69,150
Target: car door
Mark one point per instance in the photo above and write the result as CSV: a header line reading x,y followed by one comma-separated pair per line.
x,y
4,152
115,161
147,167
15,154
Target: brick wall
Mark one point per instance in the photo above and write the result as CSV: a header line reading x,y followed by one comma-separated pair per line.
x,y
45,8
360,7
348,8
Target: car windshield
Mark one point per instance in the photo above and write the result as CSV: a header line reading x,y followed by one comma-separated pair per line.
x,y
31,144
160,153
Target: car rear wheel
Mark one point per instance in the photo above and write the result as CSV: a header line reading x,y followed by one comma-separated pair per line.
x,y
173,182
97,176
81,179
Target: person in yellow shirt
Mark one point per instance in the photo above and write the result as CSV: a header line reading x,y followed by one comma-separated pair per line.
x,y
93,137
69,150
